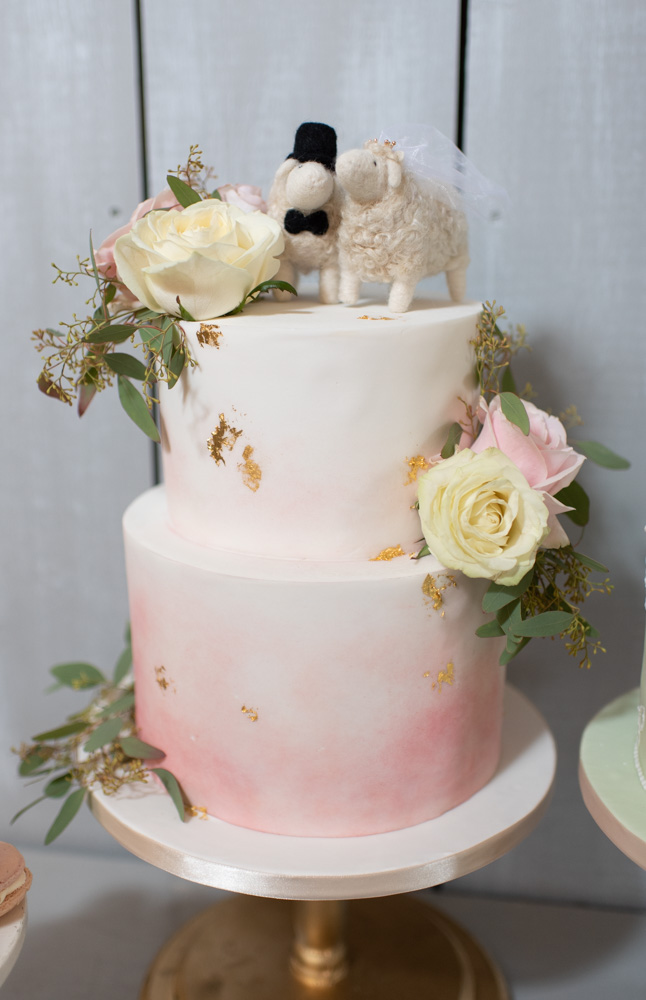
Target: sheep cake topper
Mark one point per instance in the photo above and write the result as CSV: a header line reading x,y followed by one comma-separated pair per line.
x,y
305,199
403,215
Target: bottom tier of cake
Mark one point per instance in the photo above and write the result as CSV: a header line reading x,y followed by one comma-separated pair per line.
x,y
310,699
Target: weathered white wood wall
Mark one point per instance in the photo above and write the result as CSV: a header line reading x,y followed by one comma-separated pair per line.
x,y
555,111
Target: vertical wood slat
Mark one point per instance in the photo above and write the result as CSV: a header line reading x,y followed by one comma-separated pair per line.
x,y
251,73
70,136
555,112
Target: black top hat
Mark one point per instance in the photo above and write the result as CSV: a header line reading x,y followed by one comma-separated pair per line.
x,y
315,141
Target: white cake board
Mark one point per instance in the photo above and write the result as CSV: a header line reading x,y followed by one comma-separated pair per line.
x,y
143,819
608,776
13,928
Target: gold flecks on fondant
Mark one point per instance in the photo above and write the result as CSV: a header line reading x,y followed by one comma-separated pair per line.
x,y
161,678
251,713
198,811
224,436
433,590
415,465
444,676
209,333
387,554
251,471
375,317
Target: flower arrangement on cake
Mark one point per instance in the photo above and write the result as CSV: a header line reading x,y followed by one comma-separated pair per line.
x,y
488,501
185,254
489,506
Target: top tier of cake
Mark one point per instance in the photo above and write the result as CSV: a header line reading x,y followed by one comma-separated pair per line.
x,y
299,432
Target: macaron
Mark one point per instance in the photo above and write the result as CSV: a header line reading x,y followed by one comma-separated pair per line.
x,y
15,879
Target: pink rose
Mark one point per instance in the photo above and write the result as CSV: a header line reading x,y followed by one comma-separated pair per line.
x,y
245,196
104,255
544,456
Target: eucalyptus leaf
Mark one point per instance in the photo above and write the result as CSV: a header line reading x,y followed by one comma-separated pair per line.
x,y
508,382
424,551
452,439
601,455
135,406
69,729
590,563
126,364
110,292
58,787
116,334
78,675
68,811
514,410
31,763
132,746
549,623
167,345
124,663
171,785
497,596
26,808
184,313
490,630
504,614
216,195
575,496
49,388
265,286
176,366
119,706
511,650
107,732
183,192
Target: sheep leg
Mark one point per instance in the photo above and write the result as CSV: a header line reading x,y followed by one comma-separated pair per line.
x,y
401,295
456,279
349,287
286,272
329,284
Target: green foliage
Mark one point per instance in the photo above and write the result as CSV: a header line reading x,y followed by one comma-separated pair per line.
x,y
452,439
171,785
513,409
576,497
95,748
183,192
601,455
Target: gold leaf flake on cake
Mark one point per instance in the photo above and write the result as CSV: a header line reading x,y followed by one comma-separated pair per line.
x,y
198,811
209,333
375,317
433,590
224,436
444,677
387,554
251,471
162,679
251,713
415,465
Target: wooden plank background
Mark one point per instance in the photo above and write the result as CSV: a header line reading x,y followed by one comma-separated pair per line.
x,y
554,110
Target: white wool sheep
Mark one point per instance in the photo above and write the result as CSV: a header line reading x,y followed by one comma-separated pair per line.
x,y
307,190
396,227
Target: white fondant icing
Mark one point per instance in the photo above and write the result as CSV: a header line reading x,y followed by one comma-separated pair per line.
x,y
332,406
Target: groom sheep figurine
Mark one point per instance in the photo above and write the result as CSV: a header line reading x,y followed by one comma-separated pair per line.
x,y
306,201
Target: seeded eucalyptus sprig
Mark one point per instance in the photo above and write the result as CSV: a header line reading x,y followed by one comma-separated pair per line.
x,y
97,747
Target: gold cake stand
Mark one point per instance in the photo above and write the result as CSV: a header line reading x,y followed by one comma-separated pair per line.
x,y
320,936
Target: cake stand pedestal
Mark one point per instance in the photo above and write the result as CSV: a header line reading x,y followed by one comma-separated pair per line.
x,y
608,776
373,949
13,927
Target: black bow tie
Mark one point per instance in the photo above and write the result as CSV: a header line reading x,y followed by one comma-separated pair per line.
x,y
316,223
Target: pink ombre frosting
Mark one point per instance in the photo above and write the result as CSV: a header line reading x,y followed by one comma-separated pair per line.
x,y
362,724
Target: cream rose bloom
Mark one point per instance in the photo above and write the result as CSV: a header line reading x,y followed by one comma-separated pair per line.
x,y
211,254
480,516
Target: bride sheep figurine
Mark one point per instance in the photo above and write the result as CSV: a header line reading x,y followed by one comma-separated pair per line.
x,y
305,200
396,227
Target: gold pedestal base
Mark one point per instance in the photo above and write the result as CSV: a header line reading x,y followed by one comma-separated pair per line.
x,y
398,949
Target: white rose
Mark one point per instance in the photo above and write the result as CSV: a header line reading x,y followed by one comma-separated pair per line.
x,y
210,254
480,516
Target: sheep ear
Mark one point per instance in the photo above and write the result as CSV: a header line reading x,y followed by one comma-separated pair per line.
x,y
286,167
394,173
